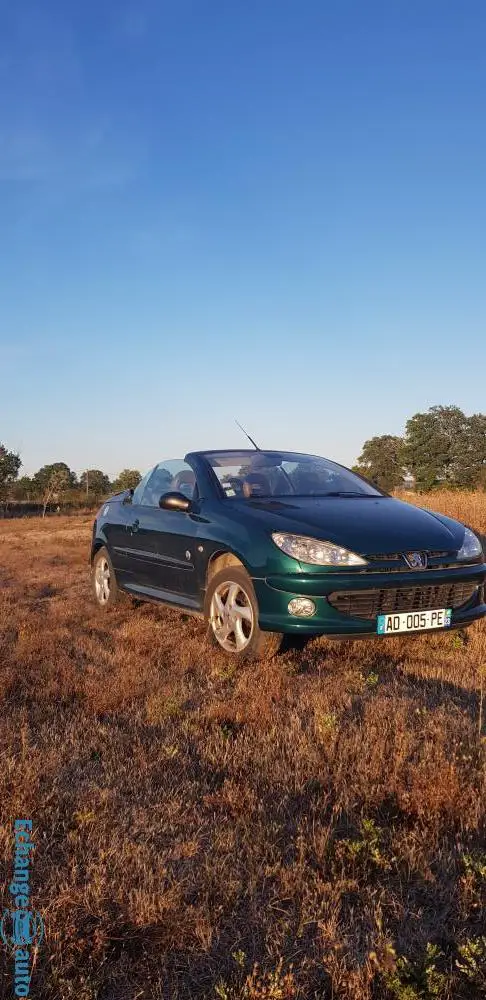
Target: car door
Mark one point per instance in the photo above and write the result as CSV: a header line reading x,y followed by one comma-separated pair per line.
x,y
164,541
122,537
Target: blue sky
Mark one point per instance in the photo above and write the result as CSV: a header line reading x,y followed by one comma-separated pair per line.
x,y
273,210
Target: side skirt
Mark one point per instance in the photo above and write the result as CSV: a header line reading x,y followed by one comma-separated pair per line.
x,y
188,604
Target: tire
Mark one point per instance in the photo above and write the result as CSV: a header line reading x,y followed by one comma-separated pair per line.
x,y
103,581
231,601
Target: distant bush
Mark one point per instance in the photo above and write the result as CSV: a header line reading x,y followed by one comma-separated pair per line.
x,y
33,508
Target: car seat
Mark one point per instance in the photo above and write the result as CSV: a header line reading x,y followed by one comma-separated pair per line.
x,y
185,482
256,484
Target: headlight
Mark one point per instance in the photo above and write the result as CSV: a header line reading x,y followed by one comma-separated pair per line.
x,y
312,550
471,547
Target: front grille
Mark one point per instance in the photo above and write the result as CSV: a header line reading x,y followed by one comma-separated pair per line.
x,y
384,557
395,562
394,556
370,603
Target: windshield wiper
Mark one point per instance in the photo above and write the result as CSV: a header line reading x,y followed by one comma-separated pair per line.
x,y
316,496
347,493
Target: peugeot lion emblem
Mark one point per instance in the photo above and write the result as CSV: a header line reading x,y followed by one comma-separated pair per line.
x,y
416,560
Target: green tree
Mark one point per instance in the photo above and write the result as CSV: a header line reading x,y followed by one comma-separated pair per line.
x,y
94,482
382,461
44,475
127,480
22,489
52,482
9,469
444,447
473,452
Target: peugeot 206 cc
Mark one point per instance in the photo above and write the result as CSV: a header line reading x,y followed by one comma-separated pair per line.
x,y
266,543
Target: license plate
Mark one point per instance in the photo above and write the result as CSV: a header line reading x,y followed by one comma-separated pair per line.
x,y
413,621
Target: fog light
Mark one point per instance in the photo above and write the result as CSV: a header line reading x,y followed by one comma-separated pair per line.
x,y
303,607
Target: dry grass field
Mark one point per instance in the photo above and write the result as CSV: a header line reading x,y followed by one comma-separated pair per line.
x,y
308,827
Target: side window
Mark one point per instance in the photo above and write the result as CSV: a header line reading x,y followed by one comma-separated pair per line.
x,y
172,475
137,494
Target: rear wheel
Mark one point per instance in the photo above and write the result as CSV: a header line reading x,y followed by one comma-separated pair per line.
x,y
103,581
231,610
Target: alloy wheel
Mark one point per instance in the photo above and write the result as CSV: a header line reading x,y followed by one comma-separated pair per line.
x,y
231,617
102,580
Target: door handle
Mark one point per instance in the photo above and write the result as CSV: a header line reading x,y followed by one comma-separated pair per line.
x,y
134,526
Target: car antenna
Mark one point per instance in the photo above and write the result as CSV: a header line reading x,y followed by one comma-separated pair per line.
x,y
247,435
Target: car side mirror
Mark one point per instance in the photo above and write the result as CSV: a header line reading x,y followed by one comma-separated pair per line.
x,y
174,501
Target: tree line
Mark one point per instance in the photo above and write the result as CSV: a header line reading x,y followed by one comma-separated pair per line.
x,y
57,484
440,448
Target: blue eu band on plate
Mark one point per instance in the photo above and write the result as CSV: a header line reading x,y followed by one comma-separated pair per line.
x,y
413,621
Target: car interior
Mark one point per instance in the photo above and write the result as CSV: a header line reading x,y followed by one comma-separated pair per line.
x,y
162,481
185,482
267,479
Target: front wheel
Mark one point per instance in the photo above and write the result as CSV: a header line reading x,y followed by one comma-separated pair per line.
x,y
103,581
231,610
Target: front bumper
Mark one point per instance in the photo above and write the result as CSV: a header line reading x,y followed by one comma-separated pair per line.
x,y
274,593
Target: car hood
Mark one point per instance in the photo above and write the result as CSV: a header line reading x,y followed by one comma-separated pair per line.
x,y
365,525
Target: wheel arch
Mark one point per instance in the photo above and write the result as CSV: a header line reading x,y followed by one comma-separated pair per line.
x,y
98,544
220,560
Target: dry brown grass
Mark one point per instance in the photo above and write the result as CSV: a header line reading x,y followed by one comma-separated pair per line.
x,y
465,505
309,827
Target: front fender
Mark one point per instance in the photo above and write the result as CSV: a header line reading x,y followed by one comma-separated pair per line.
x,y
98,540
250,544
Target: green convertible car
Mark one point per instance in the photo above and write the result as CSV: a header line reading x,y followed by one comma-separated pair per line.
x,y
266,543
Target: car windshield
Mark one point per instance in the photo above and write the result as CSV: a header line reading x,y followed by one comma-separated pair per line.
x,y
252,474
